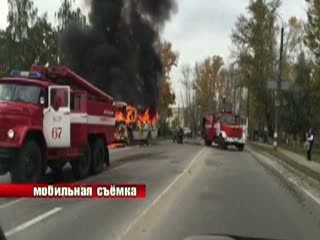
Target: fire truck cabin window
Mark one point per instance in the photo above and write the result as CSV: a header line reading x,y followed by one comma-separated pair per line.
x,y
59,98
19,93
229,119
75,104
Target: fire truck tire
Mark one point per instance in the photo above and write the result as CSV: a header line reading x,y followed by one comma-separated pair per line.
x,y
207,142
240,147
98,156
222,143
57,169
81,166
27,167
107,157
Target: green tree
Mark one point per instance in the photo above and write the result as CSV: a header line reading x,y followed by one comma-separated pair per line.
x,y
254,39
169,59
4,53
297,108
22,16
313,28
67,15
43,42
312,41
207,74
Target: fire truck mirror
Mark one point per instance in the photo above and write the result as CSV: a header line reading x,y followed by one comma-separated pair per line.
x,y
42,100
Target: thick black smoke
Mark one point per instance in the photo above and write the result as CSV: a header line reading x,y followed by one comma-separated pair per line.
x,y
117,52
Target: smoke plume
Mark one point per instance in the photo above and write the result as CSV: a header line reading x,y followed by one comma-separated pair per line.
x,y
117,51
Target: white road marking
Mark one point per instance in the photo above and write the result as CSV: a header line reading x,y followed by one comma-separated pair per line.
x,y
11,203
32,222
311,195
157,199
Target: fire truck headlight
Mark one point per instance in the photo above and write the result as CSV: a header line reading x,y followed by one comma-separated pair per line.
x,y
11,134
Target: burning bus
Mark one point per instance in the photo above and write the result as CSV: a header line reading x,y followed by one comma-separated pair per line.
x,y
134,125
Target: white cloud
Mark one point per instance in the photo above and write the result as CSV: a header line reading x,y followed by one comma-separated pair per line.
x,y
3,13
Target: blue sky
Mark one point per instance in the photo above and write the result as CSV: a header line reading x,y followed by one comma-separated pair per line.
x,y
199,29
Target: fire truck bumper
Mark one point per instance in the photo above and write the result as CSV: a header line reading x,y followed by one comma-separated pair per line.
x,y
234,141
6,154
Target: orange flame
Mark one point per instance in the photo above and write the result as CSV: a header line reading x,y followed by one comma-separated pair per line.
x,y
131,116
120,117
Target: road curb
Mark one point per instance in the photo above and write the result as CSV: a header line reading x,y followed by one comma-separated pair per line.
x,y
311,173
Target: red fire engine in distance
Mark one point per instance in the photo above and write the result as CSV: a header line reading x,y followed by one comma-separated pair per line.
x,y
224,128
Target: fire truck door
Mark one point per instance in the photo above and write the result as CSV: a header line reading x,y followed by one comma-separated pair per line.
x,y
56,118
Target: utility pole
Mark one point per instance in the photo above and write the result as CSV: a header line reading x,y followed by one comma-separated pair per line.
x,y
277,93
234,88
248,112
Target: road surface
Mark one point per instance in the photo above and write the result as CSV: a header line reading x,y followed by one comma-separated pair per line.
x,y
190,190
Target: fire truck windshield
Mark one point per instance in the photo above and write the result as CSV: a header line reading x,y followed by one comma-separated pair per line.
x,y
19,93
229,119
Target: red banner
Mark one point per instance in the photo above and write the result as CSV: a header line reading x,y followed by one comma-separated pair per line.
x,y
98,191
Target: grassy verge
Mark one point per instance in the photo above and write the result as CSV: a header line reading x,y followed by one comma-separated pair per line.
x,y
310,172
300,150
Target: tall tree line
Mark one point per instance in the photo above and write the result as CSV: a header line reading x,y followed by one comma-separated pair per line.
x,y
30,38
255,52
256,43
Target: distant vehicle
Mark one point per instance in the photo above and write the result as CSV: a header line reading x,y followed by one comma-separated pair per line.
x,y
51,116
187,132
225,129
178,135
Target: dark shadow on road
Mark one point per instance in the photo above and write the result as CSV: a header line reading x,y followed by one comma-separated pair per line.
x,y
67,176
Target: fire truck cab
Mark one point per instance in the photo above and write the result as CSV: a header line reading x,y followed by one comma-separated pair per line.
x,y
223,128
51,116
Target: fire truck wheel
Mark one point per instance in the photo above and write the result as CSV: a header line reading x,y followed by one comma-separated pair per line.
x,y
240,147
208,143
107,158
222,143
57,169
27,167
81,165
98,156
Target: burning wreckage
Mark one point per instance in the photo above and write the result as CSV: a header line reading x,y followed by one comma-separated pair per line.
x,y
134,124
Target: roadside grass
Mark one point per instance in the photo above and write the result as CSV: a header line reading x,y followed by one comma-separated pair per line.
x,y
314,173
300,150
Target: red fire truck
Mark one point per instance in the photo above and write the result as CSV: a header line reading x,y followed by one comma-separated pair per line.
x,y
51,116
223,128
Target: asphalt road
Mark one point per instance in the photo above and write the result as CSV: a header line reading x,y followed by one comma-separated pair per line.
x,y
191,190
232,193
155,166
